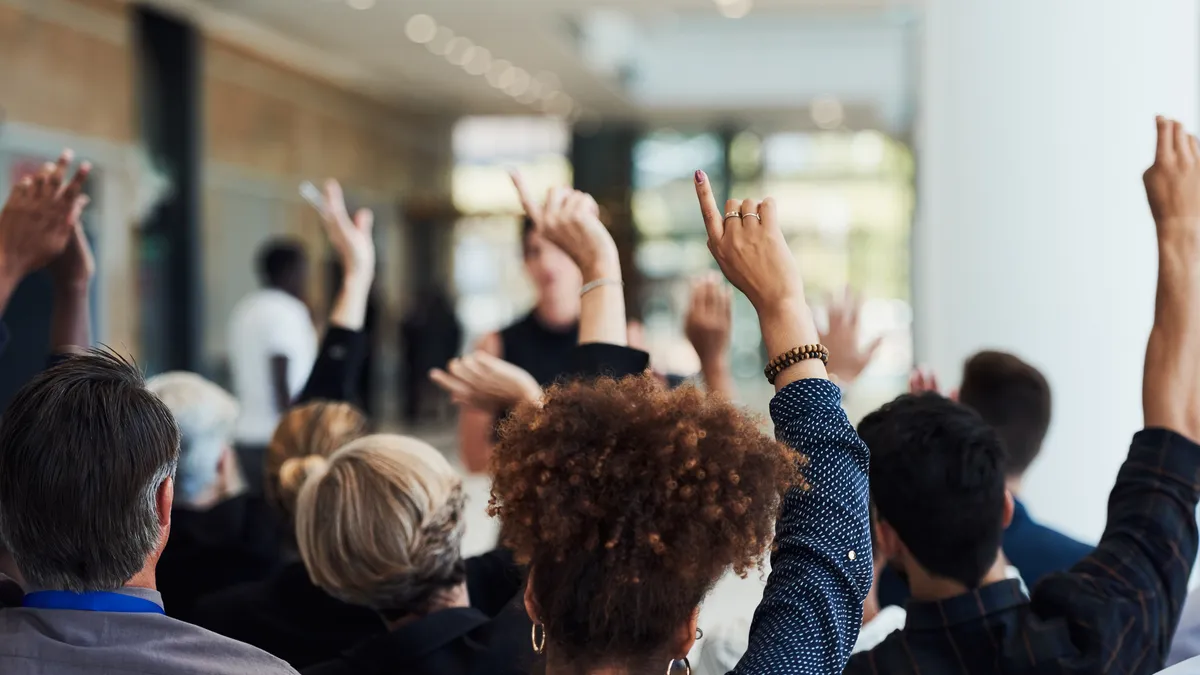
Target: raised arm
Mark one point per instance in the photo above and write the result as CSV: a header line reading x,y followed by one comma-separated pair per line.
x,y
709,327
812,606
1135,581
38,221
71,317
338,366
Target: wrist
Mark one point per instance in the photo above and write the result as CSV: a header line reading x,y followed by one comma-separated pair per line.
x,y
358,281
71,289
601,270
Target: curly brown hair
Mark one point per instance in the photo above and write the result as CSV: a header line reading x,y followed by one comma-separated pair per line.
x,y
629,501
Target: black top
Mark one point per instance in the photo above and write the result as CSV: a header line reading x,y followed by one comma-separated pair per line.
x,y
460,641
1114,612
290,617
542,351
336,372
234,542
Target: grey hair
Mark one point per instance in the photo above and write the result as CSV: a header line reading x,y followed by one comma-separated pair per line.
x,y
206,415
84,451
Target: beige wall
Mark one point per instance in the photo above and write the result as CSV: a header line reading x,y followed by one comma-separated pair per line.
x,y
67,71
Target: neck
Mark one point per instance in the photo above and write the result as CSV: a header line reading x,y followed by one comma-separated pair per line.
x,y
8,568
927,588
144,578
871,606
556,667
558,310
454,598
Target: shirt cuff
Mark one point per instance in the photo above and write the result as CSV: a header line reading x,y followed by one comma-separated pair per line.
x,y
1175,455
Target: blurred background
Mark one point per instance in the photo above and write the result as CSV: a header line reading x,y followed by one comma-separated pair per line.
x,y
971,167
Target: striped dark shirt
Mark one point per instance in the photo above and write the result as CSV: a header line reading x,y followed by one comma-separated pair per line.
x,y
1115,612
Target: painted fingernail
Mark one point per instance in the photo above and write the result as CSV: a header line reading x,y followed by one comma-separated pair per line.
x,y
699,177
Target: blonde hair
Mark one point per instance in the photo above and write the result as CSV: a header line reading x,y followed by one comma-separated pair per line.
x,y
304,438
380,524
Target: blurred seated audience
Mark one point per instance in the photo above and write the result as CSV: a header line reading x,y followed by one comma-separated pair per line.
x,y
87,459
939,485
1013,397
380,525
220,535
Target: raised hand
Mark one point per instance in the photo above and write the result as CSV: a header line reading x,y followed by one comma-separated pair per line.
x,y
570,219
350,237
72,271
487,383
709,321
847,358
1173,182
40,217
748,244
922,381
750,248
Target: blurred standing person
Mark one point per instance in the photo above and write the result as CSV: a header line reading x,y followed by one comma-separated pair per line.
x,y
432,335
272,346
542,341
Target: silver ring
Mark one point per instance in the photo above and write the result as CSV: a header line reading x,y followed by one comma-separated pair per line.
x,y
732,214
752,215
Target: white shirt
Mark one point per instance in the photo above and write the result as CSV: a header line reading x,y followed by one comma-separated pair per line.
x,y
267,323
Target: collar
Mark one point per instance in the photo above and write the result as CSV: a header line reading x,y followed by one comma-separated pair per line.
x,y
122,600
418,639
972,606
1020,513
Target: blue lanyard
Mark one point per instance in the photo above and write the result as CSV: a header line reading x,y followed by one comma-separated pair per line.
x,y
98,601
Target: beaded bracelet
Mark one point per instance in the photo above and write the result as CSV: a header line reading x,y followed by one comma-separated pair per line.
x,y
790,358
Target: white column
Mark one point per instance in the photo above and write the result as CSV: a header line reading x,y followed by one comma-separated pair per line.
x,y
1033,235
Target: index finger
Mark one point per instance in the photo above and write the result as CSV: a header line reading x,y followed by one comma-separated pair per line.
x,y
527,202
714,221
1166,139
335,200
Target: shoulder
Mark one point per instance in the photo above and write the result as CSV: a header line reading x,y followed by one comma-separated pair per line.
x,y
887,656
1036,549
202,644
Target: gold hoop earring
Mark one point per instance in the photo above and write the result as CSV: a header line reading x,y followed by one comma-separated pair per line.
x,y
687,666
539,645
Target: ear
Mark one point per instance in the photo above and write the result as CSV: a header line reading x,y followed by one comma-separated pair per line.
x,y
164,499
1009,507
531,607
887,542
685,639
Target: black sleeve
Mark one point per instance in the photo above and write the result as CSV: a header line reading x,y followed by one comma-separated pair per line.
x,y
493,580
338,367
3,337
594,360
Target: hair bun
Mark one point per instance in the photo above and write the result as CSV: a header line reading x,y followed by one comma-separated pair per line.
x,y
296,471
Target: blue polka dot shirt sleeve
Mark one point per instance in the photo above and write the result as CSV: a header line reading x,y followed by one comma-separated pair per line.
x,y
811,610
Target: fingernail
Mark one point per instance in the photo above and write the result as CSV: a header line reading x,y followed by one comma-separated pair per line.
x,y
699,177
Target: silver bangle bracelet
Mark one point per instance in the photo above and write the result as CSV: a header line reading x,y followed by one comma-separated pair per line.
x,y
593,285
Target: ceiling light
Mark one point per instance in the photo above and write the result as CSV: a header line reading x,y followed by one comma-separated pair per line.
x,y
361,4
421,29
519,84
736,9
827,112
441,41
547,83
495,74
459,50
479,62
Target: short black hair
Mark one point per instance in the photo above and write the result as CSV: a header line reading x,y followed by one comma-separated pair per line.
x,y
278,259
84,447
1013,397
937,477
